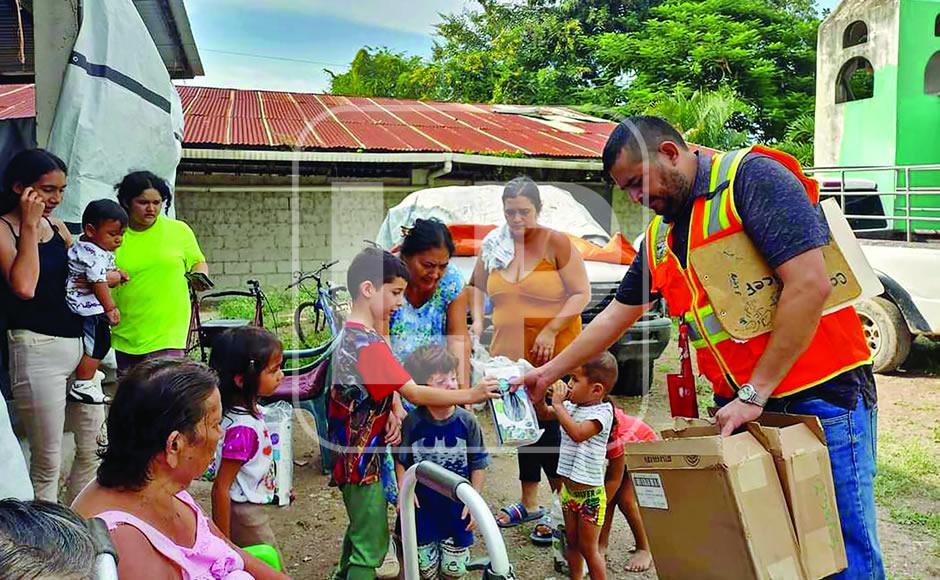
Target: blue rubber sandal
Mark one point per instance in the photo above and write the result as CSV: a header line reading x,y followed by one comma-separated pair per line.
x,y
544,539
519,515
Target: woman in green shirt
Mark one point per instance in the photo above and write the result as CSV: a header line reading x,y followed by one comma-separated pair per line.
x,y
156,254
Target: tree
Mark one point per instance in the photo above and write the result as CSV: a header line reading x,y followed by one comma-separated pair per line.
x,y
798,139
613,57
764,49
705,117
381,72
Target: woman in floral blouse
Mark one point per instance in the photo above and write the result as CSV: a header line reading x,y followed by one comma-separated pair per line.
x,y
435,307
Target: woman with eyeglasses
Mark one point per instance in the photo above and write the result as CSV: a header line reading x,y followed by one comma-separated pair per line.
x,y
538,285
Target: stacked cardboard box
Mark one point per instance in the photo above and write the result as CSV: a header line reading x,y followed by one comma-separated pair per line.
x,y
798,446
714,507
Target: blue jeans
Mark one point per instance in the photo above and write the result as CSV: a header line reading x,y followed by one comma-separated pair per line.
x,y
852,438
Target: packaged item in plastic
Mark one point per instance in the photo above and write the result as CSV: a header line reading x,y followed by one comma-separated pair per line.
x,y
513,413
278,418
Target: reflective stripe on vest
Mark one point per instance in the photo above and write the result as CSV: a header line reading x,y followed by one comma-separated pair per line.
x,y
719,207
660,239
838,344
712,327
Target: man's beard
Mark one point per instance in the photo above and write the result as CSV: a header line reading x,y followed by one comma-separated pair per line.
x,y
677,190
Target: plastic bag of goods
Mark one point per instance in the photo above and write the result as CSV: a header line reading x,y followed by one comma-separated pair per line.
x,y
513,413
278,418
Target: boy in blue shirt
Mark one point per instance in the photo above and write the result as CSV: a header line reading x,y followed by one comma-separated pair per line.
x,y
449,436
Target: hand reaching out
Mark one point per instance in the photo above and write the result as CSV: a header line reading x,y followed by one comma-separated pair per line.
x,y
466,515
487,388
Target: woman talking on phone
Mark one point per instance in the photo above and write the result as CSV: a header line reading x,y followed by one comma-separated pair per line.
x,y
157,253
44,334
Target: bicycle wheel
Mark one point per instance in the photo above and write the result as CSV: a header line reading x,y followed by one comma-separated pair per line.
x,y
306,313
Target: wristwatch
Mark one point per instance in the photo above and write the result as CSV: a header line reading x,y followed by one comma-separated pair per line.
x,y
749,395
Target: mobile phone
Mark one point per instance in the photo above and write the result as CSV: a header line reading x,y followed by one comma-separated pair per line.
x,y
199,280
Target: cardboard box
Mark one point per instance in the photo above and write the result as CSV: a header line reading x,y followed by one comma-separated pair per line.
x,y
798,446
712,506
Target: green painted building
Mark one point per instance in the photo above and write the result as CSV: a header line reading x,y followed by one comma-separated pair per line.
x,y
878,96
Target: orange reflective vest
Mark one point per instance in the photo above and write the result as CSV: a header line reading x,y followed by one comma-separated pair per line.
x,y
838,345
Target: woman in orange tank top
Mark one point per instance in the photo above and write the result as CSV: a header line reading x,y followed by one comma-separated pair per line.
x,y
539,286
537,282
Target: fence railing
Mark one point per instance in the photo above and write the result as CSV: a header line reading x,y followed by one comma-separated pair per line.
x,y
915,207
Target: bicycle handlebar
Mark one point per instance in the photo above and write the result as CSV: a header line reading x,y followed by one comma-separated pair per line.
x,y
315,275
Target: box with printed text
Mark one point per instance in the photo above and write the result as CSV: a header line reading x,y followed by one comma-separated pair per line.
x,y
713,506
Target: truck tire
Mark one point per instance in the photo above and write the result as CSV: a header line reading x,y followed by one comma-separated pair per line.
x,y
634,378
886,333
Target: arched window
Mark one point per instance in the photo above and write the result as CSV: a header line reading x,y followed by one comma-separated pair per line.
x,y
856,80
932,75
855,33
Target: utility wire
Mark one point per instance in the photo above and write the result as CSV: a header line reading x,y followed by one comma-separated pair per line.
x,y
268,57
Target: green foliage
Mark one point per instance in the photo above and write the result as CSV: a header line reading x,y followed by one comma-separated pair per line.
x,y
764,50
705,117
616,57
798,139
381,72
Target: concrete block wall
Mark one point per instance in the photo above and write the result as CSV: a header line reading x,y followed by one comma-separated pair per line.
x,y
267,235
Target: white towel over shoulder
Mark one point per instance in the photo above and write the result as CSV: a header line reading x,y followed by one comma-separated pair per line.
x,y
498,249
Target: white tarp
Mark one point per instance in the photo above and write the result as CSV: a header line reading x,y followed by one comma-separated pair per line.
x,y
483,205
118,110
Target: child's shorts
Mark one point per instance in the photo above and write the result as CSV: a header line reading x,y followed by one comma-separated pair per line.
x,y
590,505
96,336
443,559
250,525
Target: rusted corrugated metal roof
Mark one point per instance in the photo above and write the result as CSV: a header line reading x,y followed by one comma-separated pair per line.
x,y
17,102
234,118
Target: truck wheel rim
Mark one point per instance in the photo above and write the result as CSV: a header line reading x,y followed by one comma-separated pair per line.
x,y
872,333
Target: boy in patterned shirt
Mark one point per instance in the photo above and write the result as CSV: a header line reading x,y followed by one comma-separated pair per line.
x,y
365,377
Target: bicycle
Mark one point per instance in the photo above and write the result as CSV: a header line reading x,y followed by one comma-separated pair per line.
x,y
329,308
203,332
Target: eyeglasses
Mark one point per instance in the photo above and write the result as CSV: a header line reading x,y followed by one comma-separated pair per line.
x,y
523,213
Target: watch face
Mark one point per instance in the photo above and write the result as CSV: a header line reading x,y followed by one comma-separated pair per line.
x,y
746,392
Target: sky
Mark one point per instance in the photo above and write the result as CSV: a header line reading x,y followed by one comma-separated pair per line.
x,y
324,34
285,45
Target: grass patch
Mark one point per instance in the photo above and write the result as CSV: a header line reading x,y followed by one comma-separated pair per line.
x,y
908,484
278,315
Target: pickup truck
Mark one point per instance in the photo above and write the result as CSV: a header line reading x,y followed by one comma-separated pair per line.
x,y
481,204
906,259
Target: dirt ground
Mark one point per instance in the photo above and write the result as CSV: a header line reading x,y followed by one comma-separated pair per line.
x,y
310,531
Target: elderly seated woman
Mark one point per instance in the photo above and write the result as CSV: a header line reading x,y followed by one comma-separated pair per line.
x,y
40,539
163,429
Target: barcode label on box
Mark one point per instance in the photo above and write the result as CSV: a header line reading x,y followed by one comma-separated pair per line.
x,y
649,490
